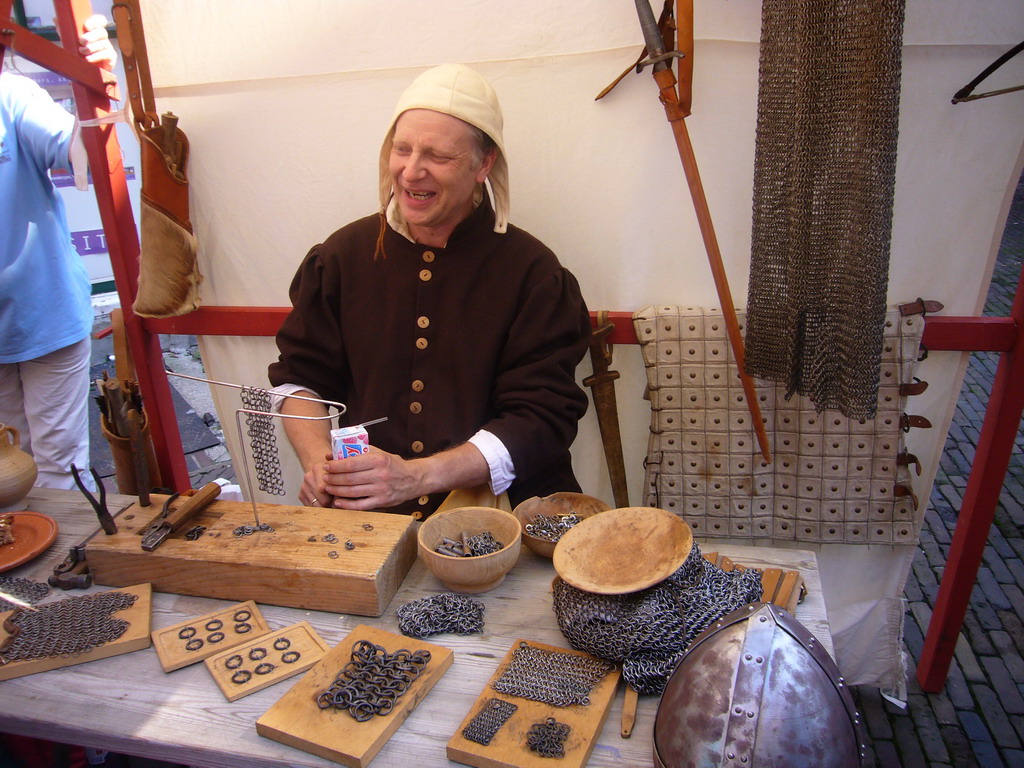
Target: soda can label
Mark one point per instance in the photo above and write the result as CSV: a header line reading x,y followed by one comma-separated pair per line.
x,y
349,441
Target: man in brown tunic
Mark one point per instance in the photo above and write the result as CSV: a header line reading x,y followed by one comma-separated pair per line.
x,y
460,328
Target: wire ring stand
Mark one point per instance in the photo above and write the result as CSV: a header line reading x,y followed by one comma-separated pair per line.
x,y
267,414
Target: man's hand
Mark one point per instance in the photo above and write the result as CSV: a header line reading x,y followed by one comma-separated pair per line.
x,y
312,492
373,480
94,44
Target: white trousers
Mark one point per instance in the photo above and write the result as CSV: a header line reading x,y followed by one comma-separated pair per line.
x,y
46,400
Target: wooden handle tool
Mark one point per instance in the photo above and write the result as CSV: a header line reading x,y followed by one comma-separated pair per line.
x,y
171,520
629,703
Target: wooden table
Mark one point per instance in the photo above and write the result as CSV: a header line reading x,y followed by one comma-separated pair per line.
x,y
127,704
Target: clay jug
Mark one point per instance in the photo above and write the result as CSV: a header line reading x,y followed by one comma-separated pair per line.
x,y
17,469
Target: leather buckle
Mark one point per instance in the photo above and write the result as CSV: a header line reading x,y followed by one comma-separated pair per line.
x,y
907,422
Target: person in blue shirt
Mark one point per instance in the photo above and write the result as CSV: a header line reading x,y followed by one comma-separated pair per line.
x,y
45,308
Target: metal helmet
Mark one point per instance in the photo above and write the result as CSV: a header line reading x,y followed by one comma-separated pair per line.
x,y
757,690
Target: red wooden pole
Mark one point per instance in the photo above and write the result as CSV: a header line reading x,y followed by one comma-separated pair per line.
x,y
991,459
122,238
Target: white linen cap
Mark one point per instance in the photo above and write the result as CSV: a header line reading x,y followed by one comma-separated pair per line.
x,y
459,91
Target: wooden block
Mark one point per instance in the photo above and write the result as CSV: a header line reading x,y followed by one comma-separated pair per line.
x,y
172,643
135,638
770,578
789,591
292,566
297,721
299,642
508,747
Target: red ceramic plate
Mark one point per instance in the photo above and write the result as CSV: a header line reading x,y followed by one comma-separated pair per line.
x,y
33,533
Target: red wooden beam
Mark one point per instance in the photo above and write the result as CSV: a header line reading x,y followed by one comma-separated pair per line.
x,y
36,49
975,334
222,321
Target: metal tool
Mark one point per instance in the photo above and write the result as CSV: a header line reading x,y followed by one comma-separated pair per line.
x,y
602,385
106,520
73,571
169,520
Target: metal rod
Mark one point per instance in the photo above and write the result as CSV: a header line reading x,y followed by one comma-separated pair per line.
x,y
238,424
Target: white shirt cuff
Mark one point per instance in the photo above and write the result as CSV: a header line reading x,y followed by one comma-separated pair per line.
x,y
280,392
499,462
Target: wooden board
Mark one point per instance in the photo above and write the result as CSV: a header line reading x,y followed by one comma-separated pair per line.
x,y
274,649
784,588
508,747
135,638
292,566
173,648
297,721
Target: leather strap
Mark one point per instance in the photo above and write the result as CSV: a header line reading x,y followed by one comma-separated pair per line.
x,y
902,491
906,459
920,307
915,387
132,41
684,44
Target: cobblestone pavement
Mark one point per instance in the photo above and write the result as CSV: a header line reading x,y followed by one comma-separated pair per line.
x,y
978,719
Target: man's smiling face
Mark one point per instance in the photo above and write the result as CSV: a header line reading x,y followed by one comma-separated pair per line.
x,y
435,167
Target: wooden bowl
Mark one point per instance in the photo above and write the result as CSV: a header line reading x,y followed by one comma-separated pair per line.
x,y
470,575
623,550
565,503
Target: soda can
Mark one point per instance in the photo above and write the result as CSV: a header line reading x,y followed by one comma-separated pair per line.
x,y
349,441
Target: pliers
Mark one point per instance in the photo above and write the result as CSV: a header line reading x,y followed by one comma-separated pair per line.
x,y
106,519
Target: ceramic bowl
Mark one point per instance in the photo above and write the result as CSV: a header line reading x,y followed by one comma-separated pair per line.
x,y
470,575
565,503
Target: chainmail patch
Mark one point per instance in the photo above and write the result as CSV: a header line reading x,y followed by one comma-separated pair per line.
x,y
832,479
263,440
547,738
824,179
488,721
550,677
648,631
440,614
373,680
23,589
68,627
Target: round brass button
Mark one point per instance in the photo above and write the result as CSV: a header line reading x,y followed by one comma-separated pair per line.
x,y
415,407
423,321
421,343
417,386
428,256
425,275
423,500
417,446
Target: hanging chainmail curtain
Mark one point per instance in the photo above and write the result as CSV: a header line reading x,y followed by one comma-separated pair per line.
x,y
824,173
